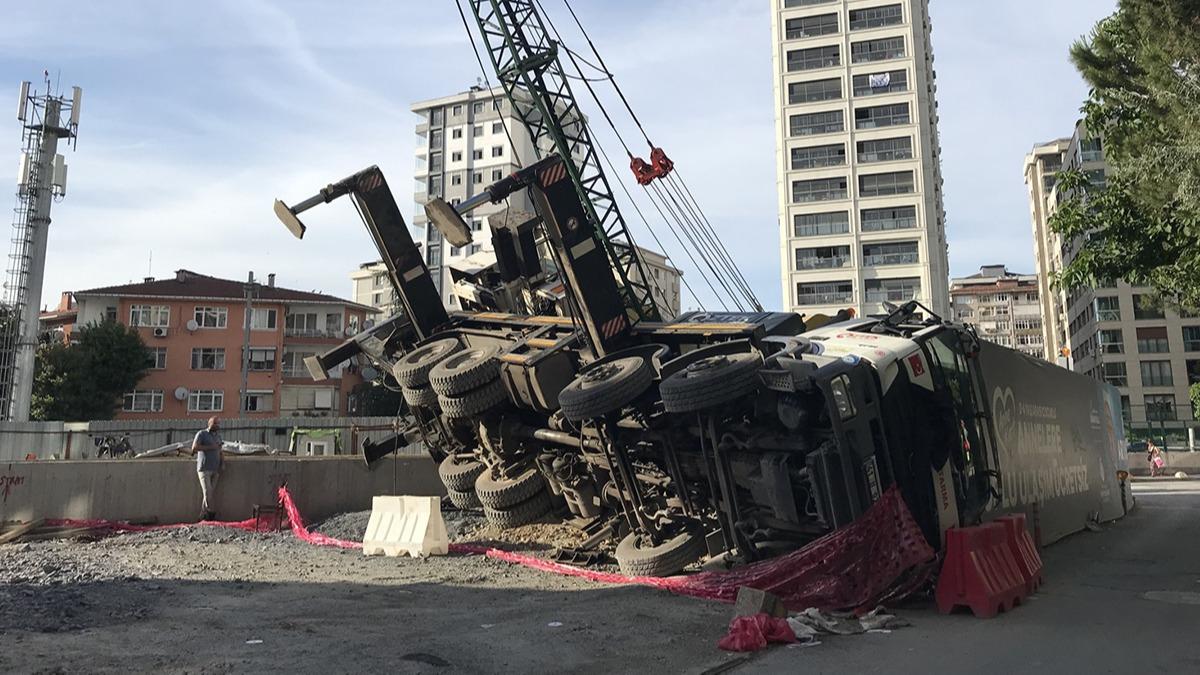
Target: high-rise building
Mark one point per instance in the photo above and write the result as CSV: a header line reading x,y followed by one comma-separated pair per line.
x,y
1002,305
1041,166
857,150
1117,333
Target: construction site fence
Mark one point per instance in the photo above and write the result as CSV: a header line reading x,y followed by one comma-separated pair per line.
x,y
78,440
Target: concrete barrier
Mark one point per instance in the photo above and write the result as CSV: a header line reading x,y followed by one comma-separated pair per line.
x,y
1177,460
167,489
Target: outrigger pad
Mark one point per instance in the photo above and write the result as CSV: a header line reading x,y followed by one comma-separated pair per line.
x,y
289,219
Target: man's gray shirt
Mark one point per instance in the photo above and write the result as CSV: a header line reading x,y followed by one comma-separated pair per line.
x,y
207,460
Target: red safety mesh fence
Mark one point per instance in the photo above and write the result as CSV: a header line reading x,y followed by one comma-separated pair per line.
x,y
851,568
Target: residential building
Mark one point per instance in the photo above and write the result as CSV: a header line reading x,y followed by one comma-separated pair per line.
x,y
190,324
1041,166
1122,334
664,282
371,286
858,156
1003,306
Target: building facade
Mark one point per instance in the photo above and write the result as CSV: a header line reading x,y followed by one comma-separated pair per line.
x,y
189,323
1041,166
1003,306
858,155
370,286
1118,333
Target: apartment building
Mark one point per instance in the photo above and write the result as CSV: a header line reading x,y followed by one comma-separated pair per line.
x,y
1118,333
859,176
1041,166
190,324
1003,306
370,286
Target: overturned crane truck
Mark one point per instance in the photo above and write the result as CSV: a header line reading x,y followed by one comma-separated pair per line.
x,y
720,435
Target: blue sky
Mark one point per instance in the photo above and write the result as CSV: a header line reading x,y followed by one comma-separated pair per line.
x,y
197,115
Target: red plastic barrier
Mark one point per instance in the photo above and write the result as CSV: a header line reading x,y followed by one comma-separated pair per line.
x,y
979,572
752,633
1024,552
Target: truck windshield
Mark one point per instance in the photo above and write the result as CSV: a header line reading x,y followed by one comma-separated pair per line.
x,y
957,374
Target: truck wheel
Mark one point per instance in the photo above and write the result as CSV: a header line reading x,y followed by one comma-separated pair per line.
x,y
421,397
710,382
460,474
475,401
504,493
412,370
522,514
637,557
605,388
464,501
465,371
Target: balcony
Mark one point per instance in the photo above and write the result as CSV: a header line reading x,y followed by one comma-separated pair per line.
x,y
819,263
316,333
884,259
824,298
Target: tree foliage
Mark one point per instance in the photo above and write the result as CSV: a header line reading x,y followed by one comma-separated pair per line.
x,y
1143,226
86,380
1194,394
373,399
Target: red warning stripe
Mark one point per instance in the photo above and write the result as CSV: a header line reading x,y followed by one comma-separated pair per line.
x,y
369,182
612,326
553,174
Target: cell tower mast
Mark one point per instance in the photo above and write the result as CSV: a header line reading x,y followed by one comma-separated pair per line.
x,y
41,180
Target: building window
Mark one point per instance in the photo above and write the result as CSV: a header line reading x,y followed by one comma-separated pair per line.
x,y
1115,374
208,358
890,82
477,178
822,257
262,358
1191,338
211,317
824,293
885,150
456,111
817,90
811,26
497,174
143,400
456,156
435,139
819,156
260,401
881,116
882,184
1144,307
433,256
1108,309
1091,150
820,190
876,17
497,151
1160,407
158,358
877,50
263,319
788,4
894,218
1157,374
293,363
893,290
333,325
206,400
811,124
456,179
477,154
891,253
497,127
812,59
477,107
150,316
1111,342
435,162
110,314
477,131
300,324
1152,340
435,117
456,132
821,224
435,186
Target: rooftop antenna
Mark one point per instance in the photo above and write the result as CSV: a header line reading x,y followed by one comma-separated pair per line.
x,y
45,118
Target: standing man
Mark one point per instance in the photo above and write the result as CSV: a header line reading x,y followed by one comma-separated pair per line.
x,y
207,449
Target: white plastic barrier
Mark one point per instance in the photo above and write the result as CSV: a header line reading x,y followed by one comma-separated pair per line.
x,y
401,525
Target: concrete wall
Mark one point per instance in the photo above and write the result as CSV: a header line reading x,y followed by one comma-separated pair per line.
x,y
1177,460
168,490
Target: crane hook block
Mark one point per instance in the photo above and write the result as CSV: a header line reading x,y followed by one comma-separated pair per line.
x,y
645,172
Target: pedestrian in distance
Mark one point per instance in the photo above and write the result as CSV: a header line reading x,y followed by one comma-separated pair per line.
x,y
1155,457
207,449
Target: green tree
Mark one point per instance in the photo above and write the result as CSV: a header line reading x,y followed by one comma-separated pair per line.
x,y
1143,226
372,399
86,380
1194,394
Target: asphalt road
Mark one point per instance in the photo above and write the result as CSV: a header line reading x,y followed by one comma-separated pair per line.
x,y
1126,600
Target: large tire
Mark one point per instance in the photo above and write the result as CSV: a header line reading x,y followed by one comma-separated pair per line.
x,y
605,388
412,370
475,401
464,371
504,493
464,501
710,382
636,559
521,514
458,474
422,397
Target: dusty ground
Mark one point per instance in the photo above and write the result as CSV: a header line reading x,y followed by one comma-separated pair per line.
x,y
206,600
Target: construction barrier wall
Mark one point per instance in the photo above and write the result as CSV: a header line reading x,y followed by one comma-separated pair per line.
x,y
75,440
167,490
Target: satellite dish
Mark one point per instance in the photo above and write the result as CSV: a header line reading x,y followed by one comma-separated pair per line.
x,y
369,373
181,393
192,325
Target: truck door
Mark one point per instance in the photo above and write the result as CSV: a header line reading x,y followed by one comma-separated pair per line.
x,y
958,375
